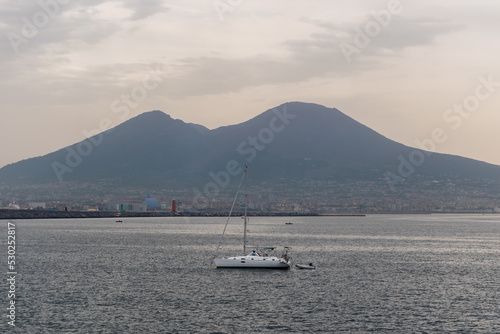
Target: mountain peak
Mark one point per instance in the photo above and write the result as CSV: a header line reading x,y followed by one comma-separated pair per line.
x,y
293,140
153,114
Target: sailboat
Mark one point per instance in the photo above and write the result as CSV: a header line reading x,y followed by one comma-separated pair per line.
x,y
257,257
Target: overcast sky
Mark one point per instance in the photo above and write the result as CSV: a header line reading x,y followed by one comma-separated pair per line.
x,y
407,69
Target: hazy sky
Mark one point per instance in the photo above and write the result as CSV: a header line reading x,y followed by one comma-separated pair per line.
x,y
407,69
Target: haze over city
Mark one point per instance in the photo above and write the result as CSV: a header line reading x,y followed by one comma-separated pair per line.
x,y
403,68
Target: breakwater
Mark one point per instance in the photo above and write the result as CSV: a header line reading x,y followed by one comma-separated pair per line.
x,y
44,214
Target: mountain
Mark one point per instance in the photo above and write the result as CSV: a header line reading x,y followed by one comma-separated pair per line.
x,y
316,141
294,141
150,145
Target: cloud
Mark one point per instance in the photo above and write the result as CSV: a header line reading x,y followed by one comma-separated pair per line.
x,y
144,9
412,32
82,25
34,30
401,32
31,28
317,56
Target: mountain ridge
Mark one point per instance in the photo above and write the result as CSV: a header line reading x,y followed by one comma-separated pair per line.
x,y
294,140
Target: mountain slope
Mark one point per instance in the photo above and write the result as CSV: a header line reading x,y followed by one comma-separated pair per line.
x,y
306,136
314,141
149,146
292,141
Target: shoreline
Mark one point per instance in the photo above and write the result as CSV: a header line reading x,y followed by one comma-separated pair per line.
x,y
41,214
6,214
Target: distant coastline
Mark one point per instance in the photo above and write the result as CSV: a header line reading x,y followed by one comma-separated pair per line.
x,y
45,214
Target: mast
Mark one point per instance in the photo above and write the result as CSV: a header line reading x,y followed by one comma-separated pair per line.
x,y
245,216
229,216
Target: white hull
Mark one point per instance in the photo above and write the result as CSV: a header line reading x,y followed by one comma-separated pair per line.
x,y
265,262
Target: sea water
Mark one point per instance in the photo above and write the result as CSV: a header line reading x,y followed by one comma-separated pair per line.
x,y
379,273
